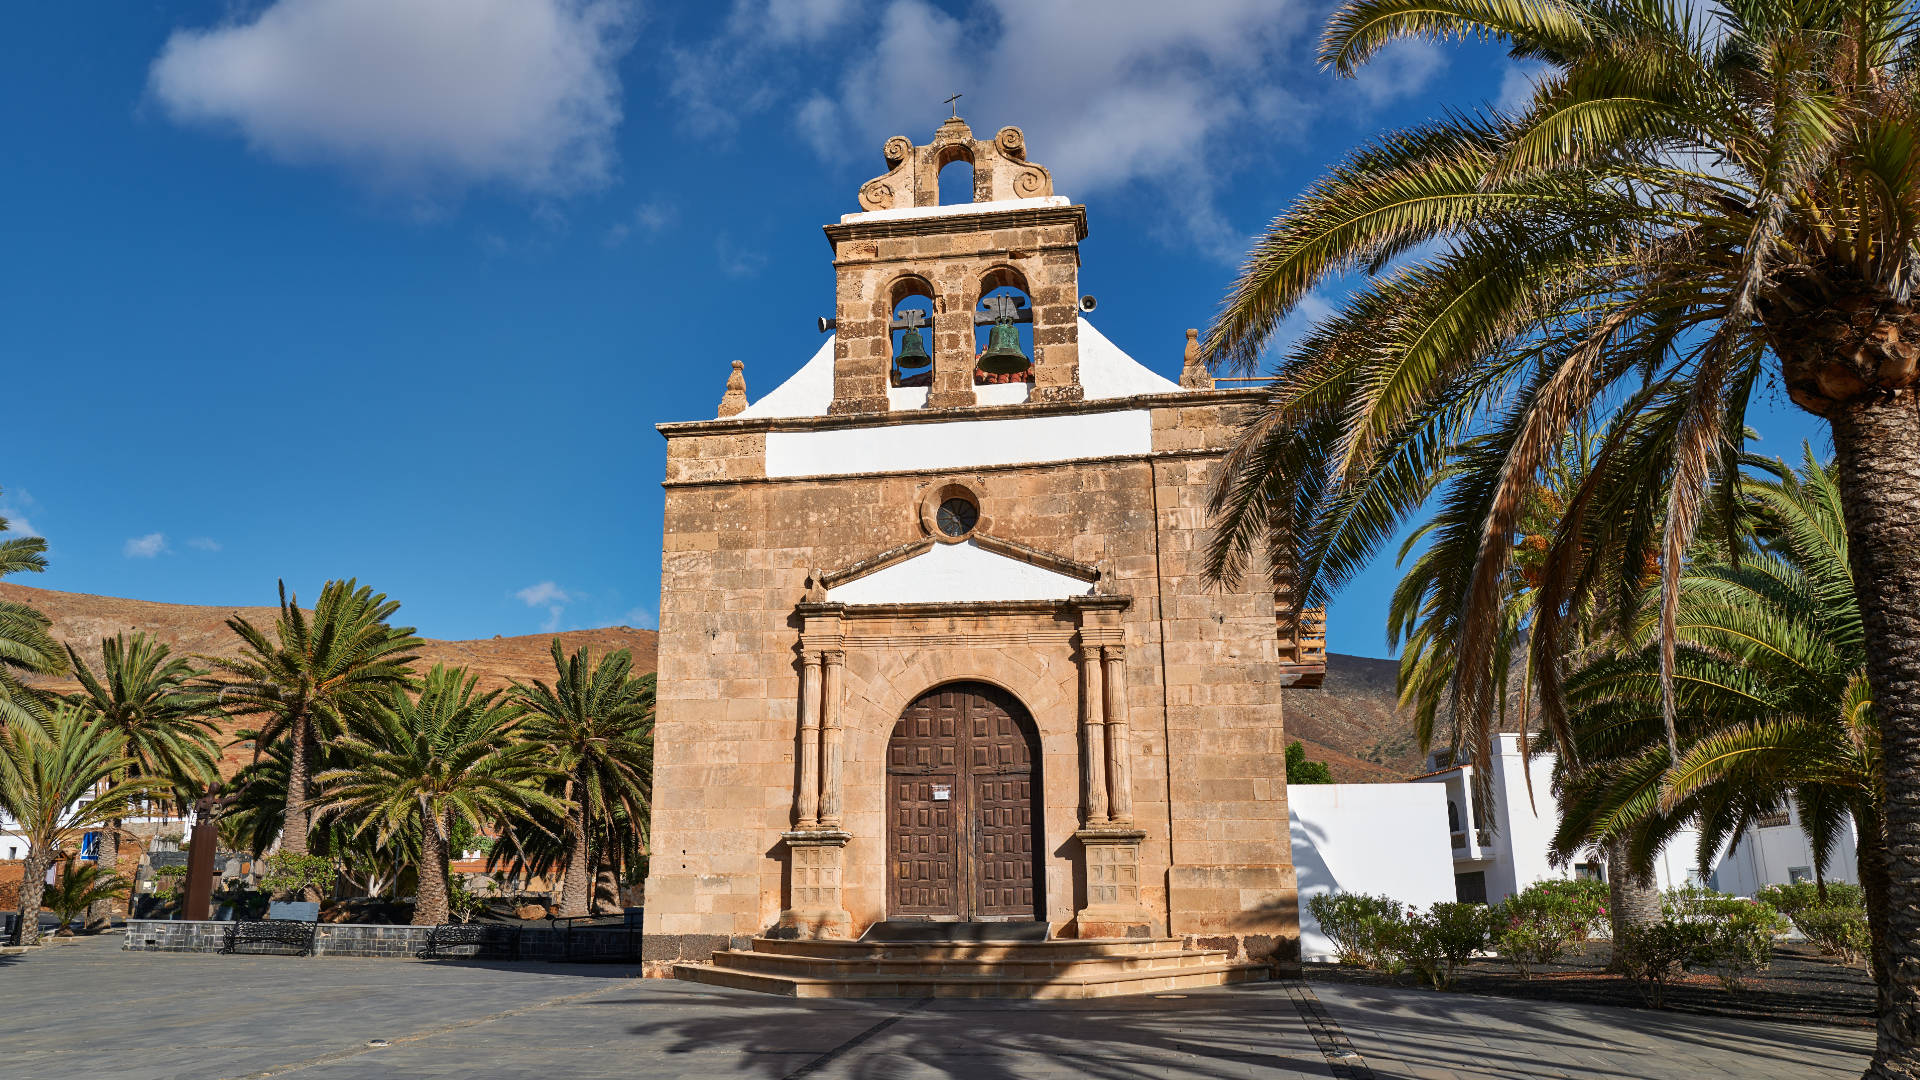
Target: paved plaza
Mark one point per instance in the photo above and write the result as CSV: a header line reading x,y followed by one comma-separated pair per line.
x,y
92,1011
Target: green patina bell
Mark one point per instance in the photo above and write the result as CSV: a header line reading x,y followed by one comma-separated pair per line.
x,y
1003,355
913,350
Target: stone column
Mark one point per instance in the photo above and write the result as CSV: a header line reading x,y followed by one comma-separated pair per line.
x,y
1093,782
806,800
830,738
1119,741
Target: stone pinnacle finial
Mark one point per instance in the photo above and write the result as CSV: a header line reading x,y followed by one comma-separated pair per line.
x,y
735,399
1194,375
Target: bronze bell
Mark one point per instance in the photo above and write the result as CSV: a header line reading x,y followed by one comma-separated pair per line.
x,y
1003,355
913,350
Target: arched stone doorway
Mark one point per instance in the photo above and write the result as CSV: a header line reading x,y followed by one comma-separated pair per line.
x,y
963,834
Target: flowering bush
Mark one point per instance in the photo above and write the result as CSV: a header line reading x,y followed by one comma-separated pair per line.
x,y
1541,922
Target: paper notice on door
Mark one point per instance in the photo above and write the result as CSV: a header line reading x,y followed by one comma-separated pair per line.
x,y
942,793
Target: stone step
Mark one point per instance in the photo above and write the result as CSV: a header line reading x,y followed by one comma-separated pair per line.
x,y
1056,948
1020,966
928,930
1106,984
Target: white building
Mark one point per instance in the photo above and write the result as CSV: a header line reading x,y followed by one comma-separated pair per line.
x,y
1421,842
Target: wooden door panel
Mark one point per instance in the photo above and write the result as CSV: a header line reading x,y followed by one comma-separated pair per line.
x,y
961,823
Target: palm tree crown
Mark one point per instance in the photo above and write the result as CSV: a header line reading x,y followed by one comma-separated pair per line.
x,y
596,721
302,680
418,764
56,783
26,642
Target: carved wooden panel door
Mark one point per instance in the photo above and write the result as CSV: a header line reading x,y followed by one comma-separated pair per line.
x,y
961,827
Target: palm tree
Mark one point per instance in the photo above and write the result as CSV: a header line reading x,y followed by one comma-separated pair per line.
x,y
309,673
80,886
56,782
416,765
26,641
1696,197
596,722
144,694
1774,704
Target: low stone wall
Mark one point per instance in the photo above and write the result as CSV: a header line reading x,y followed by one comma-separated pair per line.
x,y
329,939
366,939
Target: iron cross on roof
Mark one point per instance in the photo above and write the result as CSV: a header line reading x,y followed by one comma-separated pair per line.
x,y
957,95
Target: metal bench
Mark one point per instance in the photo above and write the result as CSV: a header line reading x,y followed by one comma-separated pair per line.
x,y
270,935
472,941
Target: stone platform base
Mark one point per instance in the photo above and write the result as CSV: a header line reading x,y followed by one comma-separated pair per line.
x,y
999,969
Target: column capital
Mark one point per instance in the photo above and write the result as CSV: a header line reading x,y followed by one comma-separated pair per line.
x,y
1114,652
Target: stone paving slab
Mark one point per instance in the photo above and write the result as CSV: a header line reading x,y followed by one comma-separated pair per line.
x,y
1417,1034
92,1011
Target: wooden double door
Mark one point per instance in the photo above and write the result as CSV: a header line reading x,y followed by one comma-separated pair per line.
x,y
962,833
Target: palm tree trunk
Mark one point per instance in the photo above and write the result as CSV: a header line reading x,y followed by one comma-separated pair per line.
x,y
33,886
1633,900
1878,449
430,906
577,889
107,858
1870,856
293,831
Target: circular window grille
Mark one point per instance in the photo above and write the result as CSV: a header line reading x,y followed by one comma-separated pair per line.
x,y
957,517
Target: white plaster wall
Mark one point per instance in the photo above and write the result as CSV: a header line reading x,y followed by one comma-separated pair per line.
x,y
1368,838
1766,855
959,444
958,573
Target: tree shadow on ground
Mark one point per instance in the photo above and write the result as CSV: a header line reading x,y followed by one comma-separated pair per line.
x,y
1203,1034
1506,1038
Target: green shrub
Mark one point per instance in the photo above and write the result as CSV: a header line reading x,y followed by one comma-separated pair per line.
x,y
463,904
1652,955
1367,931
1541,922
291,875
1790,900
1440,940
1739,932
1836,931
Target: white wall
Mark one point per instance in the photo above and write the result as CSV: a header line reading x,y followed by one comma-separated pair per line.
x,y
1368,838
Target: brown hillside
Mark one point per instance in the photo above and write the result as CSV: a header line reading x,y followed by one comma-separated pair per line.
x,y
1351,723
82,620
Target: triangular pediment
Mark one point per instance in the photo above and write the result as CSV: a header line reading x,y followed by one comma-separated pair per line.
x,y
969,572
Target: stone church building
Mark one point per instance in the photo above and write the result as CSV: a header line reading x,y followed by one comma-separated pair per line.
x,y
937,657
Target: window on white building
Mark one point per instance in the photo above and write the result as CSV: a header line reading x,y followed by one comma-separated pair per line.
x,y
1798,874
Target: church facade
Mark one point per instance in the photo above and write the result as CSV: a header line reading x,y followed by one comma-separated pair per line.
x,y
936,646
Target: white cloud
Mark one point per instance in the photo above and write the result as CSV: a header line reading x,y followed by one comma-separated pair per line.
x,y
202,543
1516,86
146,547
544,593
420,95
1172,97
14,510
648,219
641,618
736,261
550,596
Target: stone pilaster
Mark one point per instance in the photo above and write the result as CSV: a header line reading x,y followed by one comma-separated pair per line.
x,y
831,765
1093,777
806,797
1119,738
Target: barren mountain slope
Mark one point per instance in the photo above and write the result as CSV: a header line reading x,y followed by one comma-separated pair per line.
x,y
1351,723
83,620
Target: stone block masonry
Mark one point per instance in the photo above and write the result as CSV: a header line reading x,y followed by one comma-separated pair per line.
x,y
406,942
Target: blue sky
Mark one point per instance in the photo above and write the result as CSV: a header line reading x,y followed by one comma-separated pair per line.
x,y
397,288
